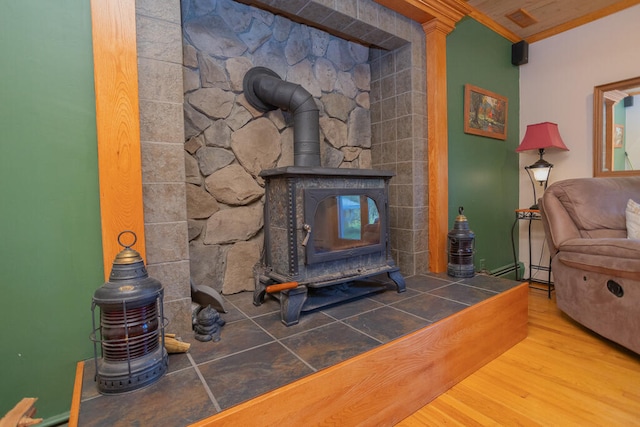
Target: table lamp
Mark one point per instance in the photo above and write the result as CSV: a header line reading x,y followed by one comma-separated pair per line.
x,y
539,137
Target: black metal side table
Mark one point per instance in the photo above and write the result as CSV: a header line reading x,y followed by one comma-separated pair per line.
x,y
530,215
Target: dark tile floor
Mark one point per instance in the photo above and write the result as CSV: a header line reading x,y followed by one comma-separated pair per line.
x,y
257,353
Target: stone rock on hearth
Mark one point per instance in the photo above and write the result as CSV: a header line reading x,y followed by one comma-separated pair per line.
x,y
364,159
339,53
319,42
346,85
270,55
234,224
282,28
191,170
325,73
190,79
212,73
302,74
337,105
237,17
239,117
206,264
237,68
212,35
238,276
259,34
212,101
218,135
232,185
362,76
351,153
189,56
331,157
195,227
359,128
298,45
363,100
257,145
335,131
211,159
359,53
200,204
194,121
194,143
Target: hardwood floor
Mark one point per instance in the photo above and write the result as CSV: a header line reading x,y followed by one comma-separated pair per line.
x,y
561,374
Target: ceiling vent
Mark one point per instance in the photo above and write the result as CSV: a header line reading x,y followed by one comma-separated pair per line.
x,y
522,18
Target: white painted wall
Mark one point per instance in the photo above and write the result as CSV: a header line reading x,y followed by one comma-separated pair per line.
x,y
557,86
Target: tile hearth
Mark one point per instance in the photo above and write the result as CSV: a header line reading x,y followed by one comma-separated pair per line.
x,y
257,353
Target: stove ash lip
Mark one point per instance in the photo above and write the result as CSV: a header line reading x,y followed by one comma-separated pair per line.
x,y
266,91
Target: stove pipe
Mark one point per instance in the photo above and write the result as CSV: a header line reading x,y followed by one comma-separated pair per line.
x,y
266,91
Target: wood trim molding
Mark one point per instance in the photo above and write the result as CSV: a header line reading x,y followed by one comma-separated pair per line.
x,y
448,12
594,16
118,124
438,142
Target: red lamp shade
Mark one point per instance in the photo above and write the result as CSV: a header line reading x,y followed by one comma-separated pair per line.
x,y
541,136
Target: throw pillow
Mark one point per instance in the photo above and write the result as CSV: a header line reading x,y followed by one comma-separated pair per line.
x,y
633,220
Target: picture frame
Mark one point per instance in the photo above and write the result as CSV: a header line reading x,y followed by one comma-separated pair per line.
x,y
618,136
485,113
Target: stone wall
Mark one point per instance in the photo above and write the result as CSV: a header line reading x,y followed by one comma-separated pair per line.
x,y
397,107
228,142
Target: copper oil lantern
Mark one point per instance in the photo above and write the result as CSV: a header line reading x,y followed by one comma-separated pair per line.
x,y
131,330
461,248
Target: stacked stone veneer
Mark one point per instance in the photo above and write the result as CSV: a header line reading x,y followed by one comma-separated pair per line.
x,y
202,193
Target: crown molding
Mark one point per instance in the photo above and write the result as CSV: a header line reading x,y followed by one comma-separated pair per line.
x,y
448,12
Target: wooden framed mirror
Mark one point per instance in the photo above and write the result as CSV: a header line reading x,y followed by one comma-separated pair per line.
x,y
616,128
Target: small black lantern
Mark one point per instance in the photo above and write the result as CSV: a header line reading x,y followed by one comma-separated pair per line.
x,y
461,248
131,331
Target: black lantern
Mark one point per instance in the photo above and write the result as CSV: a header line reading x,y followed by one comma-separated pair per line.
x,y
461,248
131,331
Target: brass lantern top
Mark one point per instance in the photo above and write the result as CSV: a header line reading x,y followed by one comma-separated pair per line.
x,y
129,279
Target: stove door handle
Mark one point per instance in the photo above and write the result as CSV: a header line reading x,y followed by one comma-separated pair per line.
x,y
307,228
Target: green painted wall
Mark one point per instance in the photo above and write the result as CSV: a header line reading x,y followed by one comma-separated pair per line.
x,y
50,250
483,172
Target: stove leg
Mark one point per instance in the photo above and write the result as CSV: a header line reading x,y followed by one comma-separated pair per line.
x,y
398,279
291,302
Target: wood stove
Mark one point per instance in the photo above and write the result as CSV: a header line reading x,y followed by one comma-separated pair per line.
x,y
326,230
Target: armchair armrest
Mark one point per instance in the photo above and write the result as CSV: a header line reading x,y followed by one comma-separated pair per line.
x,y
617,257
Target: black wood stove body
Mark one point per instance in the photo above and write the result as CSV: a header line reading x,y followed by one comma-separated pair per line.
x,y
327,231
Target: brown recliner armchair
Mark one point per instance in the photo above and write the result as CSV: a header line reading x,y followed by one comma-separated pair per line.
x,y
596,268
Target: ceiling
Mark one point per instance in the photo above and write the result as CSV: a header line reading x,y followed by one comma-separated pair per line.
x,y
534,20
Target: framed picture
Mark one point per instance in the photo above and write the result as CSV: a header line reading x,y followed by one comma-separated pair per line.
x,y
485,113
618,136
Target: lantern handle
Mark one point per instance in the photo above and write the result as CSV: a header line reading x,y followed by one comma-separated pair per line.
x,y
135,239
460,209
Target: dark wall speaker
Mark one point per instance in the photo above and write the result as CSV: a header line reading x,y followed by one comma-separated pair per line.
x,y
628,101
520,53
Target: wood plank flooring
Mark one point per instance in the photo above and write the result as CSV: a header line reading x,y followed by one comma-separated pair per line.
x,y
562,374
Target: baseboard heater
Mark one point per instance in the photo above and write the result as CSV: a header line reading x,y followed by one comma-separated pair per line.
x,y
509,269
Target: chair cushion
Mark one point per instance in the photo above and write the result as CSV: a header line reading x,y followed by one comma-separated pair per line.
x,y
633,219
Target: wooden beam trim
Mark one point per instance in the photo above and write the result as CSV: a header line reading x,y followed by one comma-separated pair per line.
x,y
437,140
118,126
422,11
593,16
